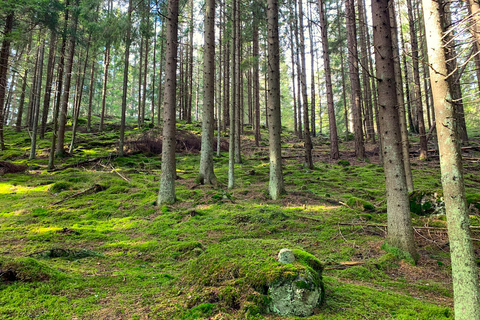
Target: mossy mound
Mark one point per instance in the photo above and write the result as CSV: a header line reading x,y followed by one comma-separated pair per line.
x,y
355,202
237,274
25,270
423,202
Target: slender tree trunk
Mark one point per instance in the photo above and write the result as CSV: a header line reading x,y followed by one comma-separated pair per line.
x,y
160,84
354,78
140,79
400,231
474,10
226,85
231,151
464,268
18,124
36,109
342,70
239,91
206,174
292,54
49,81
90,96
166,193
4,55
126,63
190,67
334,154
152,107
145,70
60,151
312,75
276,185
400,99
303,81
416,77
106,65
256,81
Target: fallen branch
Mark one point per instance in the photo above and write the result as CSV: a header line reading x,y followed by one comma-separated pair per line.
x,y
81,163
385,226
95,188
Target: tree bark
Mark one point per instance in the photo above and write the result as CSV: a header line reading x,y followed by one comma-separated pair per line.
x,y
166,193
276,185
4,55
400,231
36,104
464,268
334,153
231,151
126,64
400,98
206,174
256,81
354,78
48,84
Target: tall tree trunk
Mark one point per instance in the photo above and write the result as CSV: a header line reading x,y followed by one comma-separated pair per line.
x,y
126,63
416,77
4,55
152,107
231,148
18,124
334,154
36,109
60,151
400,231
49,81
363,29
400,98
275,186
464,268
407,87
226,83
160,84
354,78
190,67
166,193
342,70
292,54
474,10
90,96
303,81
239,91
106,61
145,70
256,80
312,74
206,174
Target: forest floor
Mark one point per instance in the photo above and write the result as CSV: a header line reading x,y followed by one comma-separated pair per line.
x,y
87,240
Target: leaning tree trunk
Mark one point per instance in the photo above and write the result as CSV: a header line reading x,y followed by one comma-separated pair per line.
x,y
166,193
334,154
206,174
464,268
275,185
400,231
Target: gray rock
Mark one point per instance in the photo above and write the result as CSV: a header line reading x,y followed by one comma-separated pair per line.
x,y
286,256
298,297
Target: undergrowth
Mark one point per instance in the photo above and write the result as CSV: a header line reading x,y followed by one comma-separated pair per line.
x,y
112,253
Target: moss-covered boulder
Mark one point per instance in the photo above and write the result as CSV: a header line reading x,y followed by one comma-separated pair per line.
x,y
244,275
425,203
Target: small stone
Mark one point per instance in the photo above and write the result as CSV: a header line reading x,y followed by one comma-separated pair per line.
x,y
286,256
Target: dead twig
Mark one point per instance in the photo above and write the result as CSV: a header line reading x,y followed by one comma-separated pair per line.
x,y
95,188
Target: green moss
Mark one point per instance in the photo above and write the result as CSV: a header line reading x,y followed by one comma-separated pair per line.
x,y
60,186
355,202
27,270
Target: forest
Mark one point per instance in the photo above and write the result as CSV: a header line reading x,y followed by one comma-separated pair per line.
x,y
239,159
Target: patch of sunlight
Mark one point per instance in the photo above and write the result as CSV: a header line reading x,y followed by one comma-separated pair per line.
x,y
46,229
90,152
6,188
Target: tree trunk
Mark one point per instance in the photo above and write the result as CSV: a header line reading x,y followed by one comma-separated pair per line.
x,y
256,81
239,91
49,81
312,75
334,154
106,61
303,81
400,98
36,109
275,185
145,70
90,97
464,268
354,78
206,174
4,55
400,231
60,151
416,77
160,84
292,54
166,193
126,63
231,148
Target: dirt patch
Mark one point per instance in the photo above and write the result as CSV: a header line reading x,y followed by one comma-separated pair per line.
x,y
8,167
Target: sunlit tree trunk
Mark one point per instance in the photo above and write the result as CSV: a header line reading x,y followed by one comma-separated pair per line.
x,y
400,231
464,268
206,174
126,63
166,193
275,186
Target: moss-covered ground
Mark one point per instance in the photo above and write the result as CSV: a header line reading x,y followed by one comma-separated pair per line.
x,y
90,242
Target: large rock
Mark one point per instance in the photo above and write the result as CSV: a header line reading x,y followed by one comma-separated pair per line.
x,y
300,295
